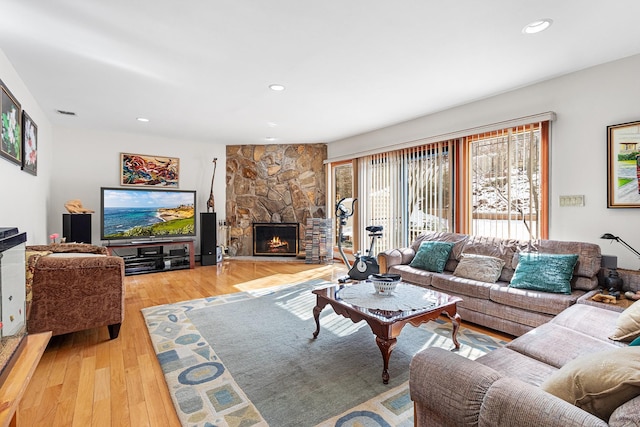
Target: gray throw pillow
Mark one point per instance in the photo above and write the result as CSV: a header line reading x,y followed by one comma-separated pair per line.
x,y
483,268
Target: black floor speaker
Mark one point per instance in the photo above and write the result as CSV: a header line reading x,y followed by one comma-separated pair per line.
x,y
208,238
76,228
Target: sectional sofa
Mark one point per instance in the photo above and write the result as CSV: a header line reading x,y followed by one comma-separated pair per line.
x,y
494,302
567,372
571,364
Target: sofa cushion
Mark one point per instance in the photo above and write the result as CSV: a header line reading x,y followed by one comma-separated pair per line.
x,y
448,283
598,382
544,272
580,318
70,247
511,320
479,267
74,255
628,324
412,275
556,345
539,301
635,343
432,256
517,365
457,239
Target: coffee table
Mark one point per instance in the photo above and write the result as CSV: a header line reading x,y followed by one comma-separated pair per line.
x,y
413,304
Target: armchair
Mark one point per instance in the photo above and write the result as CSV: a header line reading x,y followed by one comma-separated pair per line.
x,y
74,287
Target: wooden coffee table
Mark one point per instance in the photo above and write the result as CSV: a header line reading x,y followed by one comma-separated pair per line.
x,y
387,324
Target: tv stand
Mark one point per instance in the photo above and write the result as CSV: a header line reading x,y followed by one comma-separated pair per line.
x,y
154,255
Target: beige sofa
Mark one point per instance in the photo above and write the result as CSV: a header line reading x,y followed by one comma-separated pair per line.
x,y
497,305
508,386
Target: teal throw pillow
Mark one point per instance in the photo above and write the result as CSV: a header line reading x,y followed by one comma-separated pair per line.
x,y
432,256
544,272
635,342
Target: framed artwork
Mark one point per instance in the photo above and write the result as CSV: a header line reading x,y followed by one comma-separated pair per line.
x,y
623,165
10,134
155,171
29,144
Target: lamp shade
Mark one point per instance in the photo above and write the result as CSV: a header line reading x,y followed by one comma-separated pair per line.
x,y
610,236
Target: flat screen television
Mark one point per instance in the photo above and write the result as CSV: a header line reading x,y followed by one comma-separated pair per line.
x,y
146,213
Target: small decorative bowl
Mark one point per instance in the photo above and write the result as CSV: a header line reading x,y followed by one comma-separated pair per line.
x,y
385,284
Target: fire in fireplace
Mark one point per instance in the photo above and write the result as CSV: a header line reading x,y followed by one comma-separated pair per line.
x,y
280,239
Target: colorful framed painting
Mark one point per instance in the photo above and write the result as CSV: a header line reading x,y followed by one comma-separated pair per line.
x,y
154,171
623,165
10,134
29,144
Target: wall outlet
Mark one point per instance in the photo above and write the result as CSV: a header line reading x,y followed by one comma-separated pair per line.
x,y
572,200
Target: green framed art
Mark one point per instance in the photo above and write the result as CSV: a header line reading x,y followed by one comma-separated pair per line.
x,y
10,129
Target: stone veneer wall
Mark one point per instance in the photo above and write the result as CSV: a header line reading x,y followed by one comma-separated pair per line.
x,y
273,183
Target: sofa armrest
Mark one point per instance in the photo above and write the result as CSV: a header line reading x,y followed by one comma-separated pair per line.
x,y
510,402
393,257
448,389
626,414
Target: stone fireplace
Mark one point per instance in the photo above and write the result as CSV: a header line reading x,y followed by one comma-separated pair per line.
x,y
275,184
275,239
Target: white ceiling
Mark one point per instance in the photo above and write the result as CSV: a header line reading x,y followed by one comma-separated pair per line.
x,y
200,69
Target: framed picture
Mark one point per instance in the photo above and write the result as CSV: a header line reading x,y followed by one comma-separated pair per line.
x,y
623,165
29,145
155,171
10,134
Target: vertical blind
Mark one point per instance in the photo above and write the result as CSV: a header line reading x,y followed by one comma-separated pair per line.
x,y
494,182
408,192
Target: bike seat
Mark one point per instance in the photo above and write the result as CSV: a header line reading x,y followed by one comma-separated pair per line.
x,y
374,228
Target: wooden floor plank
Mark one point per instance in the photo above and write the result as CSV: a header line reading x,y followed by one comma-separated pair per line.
x,y
83,410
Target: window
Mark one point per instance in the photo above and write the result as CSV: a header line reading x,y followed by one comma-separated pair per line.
x,y
491,181
343,188
508,183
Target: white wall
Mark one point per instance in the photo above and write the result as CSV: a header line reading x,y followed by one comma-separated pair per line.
x,y
585,102
24,197
87,160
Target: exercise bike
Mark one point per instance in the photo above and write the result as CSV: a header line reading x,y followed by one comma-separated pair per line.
x,y
364,265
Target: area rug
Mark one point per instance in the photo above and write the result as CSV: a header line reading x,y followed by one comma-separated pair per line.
x,y
249,359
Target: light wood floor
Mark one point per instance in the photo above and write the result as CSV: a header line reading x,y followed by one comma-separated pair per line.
x,y
85,379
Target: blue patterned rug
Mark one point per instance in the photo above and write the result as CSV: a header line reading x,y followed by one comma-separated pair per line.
x,y
218,381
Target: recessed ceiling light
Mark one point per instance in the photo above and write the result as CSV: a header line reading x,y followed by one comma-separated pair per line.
x,y
272,124
270,138
537,26
276,87
142,119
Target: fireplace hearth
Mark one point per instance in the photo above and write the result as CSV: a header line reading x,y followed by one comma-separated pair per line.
x,y
275,239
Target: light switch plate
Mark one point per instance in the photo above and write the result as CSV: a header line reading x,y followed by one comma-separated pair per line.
x,y
577,200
